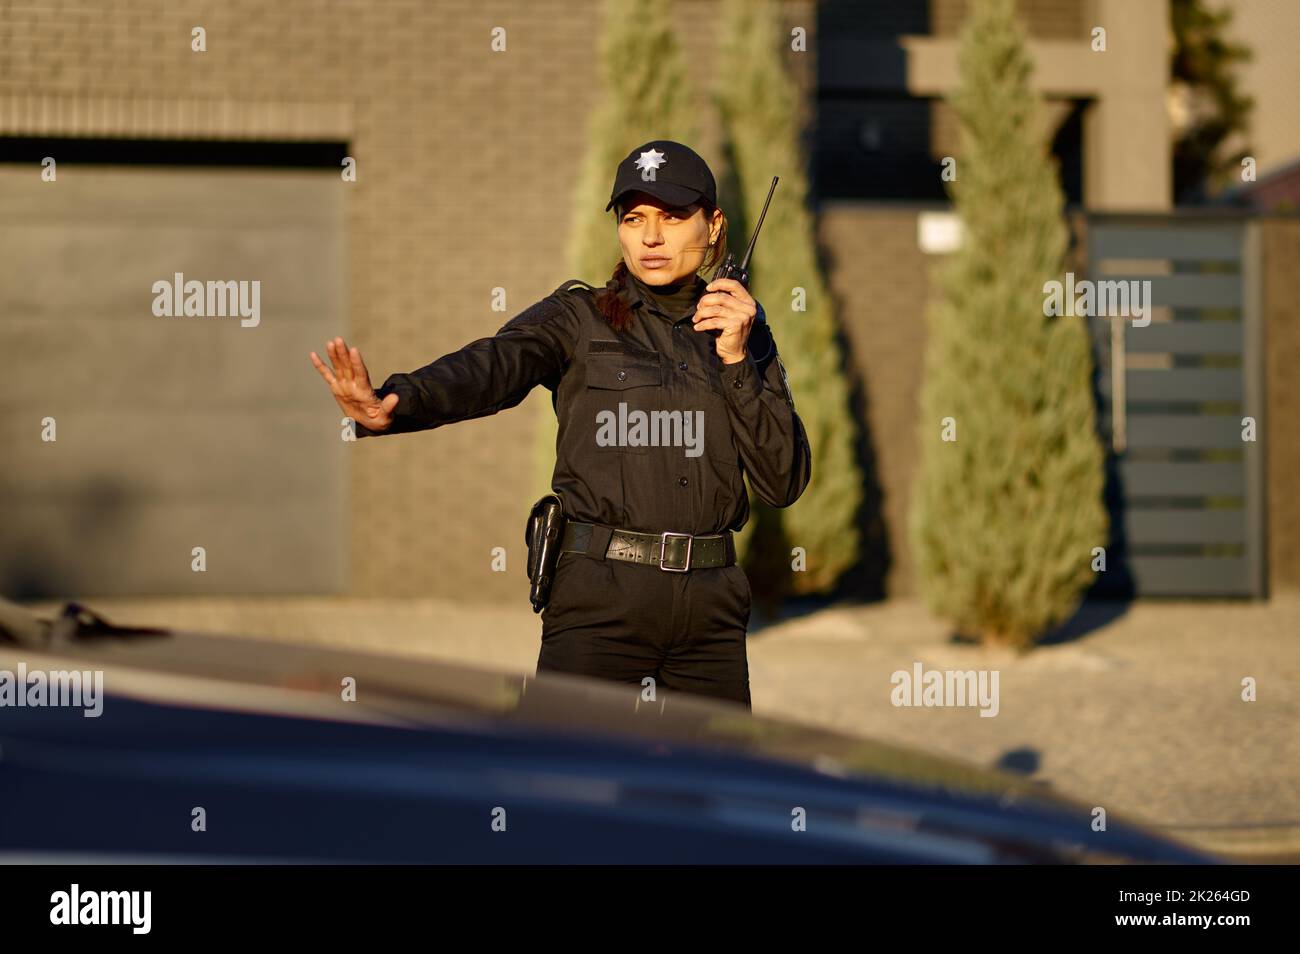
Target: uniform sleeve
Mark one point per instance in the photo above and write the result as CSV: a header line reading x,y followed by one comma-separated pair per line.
x,y
772,442
485,376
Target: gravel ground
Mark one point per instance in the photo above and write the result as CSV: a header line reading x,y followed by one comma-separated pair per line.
x,y
1136,708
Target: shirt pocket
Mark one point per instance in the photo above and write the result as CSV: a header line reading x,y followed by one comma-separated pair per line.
x,y
622,372
618,386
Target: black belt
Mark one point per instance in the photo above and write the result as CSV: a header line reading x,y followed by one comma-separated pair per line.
x,y
676,552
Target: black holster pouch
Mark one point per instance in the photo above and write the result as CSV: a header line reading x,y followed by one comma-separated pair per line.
x,y
543,535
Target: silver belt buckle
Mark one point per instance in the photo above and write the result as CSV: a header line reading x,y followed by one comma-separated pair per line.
x,y
663,542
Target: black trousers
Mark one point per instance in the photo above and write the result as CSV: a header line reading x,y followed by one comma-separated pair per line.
x,y
622,621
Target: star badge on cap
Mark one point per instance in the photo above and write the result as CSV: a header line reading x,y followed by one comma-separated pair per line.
x,y
649,162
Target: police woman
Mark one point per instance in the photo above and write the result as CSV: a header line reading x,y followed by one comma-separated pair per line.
x,y
667,390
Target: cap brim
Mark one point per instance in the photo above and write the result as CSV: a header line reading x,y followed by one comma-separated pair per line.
x,y
663,191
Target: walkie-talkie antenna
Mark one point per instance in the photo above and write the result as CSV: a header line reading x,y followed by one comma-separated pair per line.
x,y
744,264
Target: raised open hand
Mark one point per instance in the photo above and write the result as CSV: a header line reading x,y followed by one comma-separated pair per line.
x,y
349,382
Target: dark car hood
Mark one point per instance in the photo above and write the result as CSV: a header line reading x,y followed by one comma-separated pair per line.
x,y
175,668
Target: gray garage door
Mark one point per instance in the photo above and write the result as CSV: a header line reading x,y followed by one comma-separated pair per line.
x,y
172,433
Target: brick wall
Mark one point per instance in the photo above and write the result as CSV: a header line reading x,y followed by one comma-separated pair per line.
x,y
879,278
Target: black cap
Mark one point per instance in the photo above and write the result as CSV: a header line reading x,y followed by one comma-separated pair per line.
x,y
667,170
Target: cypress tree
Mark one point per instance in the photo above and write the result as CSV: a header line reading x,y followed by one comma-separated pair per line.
x,y
1212,114
757,101
1004,518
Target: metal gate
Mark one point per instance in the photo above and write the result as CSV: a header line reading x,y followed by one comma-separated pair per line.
x,y
1177,398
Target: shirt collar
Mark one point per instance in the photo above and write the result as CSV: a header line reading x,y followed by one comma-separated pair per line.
x,y
674,305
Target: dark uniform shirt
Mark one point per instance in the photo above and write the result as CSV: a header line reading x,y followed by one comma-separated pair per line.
x,y
600,378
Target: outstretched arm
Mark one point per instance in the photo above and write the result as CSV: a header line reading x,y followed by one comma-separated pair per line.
x,y
486,376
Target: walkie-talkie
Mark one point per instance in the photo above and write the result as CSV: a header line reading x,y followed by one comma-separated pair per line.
x,y
729,268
